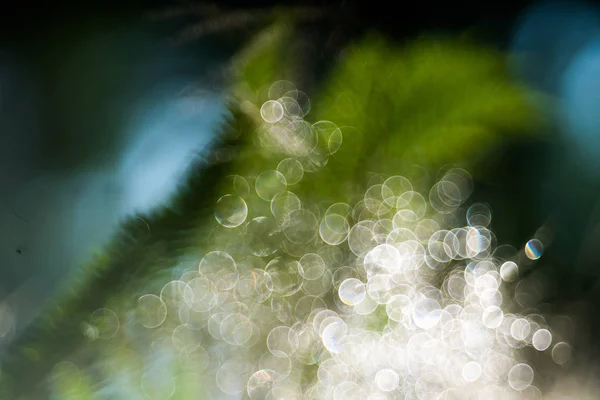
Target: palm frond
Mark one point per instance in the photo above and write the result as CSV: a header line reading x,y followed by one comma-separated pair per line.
x,y
433,102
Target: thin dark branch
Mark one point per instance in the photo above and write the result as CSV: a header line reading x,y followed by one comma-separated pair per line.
x,y
215,20
230,21
205,10
18,216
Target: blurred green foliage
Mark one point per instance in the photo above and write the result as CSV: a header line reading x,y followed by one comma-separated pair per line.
x,y
431,102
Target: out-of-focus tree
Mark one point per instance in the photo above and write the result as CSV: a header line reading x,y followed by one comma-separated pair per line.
x,y
433,102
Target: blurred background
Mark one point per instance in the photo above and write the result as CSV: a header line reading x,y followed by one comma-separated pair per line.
x,y
99,119
100,114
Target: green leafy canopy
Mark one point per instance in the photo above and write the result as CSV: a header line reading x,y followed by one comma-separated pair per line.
x,y
431,103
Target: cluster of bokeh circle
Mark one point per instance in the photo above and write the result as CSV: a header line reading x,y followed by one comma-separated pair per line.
x,y
403,295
